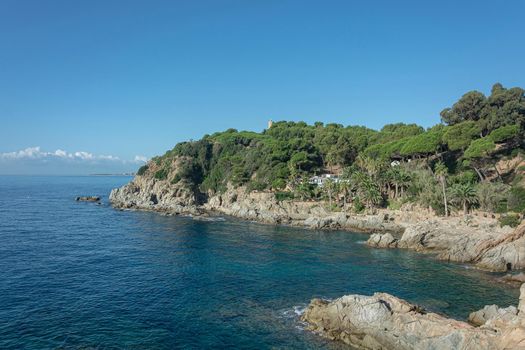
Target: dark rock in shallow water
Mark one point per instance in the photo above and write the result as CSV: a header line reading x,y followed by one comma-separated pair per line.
x,y
88,199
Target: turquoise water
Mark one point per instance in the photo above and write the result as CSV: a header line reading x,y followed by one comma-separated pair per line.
x,y
80,275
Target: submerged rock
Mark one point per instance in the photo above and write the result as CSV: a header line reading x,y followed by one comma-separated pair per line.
x,y
382,321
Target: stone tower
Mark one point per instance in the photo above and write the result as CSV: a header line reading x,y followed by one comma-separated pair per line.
x,y
270,123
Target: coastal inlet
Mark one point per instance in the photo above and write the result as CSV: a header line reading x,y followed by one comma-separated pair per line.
x,y
87,276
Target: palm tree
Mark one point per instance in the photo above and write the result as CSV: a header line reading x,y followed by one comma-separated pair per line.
x,y
394,176
345,186
465,195
369,191
304,189
404,181
330,187
383,180
371,165
441,172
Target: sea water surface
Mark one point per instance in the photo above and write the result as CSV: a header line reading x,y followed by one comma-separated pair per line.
x,y
81,275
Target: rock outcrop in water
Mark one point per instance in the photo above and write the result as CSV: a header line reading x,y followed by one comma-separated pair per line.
x,y
382,321
147,193
87,199
486,245
476,240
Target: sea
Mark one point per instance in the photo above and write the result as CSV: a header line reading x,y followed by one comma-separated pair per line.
x,y
78,275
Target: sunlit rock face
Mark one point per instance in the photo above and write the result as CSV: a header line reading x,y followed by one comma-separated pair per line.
x,y
382,321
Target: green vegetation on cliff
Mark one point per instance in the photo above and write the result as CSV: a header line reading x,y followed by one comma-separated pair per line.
x,y
454,163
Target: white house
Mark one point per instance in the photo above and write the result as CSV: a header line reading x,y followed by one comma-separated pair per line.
x,y
319,180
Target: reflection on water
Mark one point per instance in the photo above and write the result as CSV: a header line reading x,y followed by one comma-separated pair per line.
x,y
81,275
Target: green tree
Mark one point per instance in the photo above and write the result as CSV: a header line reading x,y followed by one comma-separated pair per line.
x,y
504,133
441,172
345,186
459,136
330,188
469,107
491,194
464,195
479,149
305,189
369,192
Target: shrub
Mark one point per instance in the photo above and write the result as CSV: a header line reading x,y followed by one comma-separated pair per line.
x,y
279,184
283,195
142,170
176,179
511,220
491,194
516,199
161,174
516,152
358,205
256,186
394,205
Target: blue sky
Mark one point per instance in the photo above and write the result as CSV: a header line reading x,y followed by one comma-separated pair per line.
x,y
129,79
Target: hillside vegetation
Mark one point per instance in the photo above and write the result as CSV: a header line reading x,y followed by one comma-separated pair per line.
x,y
474,158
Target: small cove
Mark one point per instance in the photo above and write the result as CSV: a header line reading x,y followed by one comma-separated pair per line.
x,y
85,275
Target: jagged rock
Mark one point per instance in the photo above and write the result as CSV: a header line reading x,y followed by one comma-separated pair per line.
x,y
383,321
491,313
152,194
88,199
382,240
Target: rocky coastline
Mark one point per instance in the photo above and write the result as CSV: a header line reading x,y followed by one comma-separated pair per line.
x,y
382,321
476,240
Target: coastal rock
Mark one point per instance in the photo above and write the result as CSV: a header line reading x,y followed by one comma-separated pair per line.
x,y
382,321
152,194
521,306
474,239
382,240
492,313
513,278
88,199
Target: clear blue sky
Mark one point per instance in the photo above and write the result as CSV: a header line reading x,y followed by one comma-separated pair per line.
x,y
127,78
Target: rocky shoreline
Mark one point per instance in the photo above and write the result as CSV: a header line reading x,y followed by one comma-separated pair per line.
x,y
382,321
475,240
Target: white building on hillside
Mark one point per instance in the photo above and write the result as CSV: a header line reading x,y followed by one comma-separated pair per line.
x,y
319,180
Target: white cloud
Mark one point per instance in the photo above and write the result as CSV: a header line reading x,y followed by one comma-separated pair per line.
x,y
30,152
140,159
36,153
61,154
83,155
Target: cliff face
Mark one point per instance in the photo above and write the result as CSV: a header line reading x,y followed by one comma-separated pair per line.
x,y
148,193
383,321
478,240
